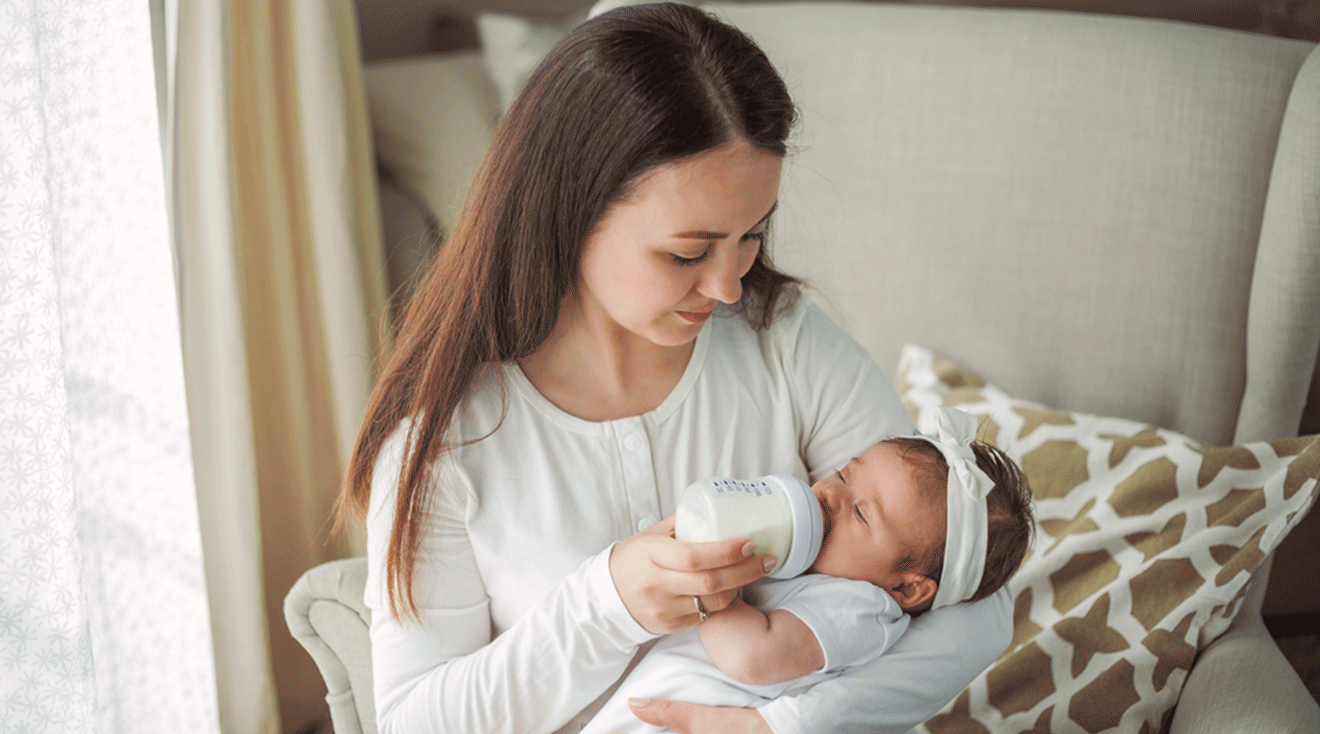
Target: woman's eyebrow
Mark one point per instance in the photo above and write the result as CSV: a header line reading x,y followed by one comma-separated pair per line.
x,y
701,234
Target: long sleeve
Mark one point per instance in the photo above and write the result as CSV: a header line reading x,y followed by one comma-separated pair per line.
x,y
448,675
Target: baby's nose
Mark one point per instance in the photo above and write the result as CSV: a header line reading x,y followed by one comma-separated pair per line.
x,y
834,499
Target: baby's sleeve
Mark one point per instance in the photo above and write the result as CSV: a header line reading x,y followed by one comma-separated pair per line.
x,y
854,621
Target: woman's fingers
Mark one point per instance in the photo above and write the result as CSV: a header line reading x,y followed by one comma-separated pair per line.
x,y
658,577
681,556
715,581
664,527
711,603
689,718
715,572
697,556
646,588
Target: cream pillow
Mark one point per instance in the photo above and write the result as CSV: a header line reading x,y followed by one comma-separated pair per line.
x,y
1145,543
432,119
605,6
512,46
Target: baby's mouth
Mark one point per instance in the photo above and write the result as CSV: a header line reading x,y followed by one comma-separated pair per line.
x,y
829,521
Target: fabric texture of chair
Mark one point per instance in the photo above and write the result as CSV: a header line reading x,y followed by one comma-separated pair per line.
x,y
325,613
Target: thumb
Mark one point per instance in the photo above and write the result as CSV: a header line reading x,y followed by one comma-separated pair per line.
x,y
674,715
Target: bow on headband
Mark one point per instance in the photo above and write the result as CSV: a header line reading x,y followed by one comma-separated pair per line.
x,y
952,432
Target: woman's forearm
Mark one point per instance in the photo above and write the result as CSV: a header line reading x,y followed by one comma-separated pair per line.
x,y
532,678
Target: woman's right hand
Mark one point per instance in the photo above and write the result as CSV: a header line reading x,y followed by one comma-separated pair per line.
x,y
657,576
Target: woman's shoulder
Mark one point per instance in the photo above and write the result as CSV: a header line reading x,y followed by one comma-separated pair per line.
x,y
483,406
477,414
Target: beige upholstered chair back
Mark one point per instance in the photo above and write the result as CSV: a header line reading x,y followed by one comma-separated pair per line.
x,y
1100,213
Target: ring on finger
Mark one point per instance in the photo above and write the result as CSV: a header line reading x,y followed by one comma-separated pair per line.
x,y
701,609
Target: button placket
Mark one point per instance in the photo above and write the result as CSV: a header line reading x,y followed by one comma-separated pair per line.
x,y
638,472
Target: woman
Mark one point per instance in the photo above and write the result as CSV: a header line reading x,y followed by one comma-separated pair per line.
x,y
602,328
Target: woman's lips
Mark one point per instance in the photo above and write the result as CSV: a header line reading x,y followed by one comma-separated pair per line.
x,y
695,317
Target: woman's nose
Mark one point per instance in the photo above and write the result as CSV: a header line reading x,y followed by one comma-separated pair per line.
x,y
723,280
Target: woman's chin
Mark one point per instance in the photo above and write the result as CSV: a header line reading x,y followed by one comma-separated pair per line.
x,y
674,335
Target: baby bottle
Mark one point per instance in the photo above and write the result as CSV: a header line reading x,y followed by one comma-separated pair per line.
x,y
779,513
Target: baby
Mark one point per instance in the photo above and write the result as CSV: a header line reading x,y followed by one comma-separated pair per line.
x,y
912,524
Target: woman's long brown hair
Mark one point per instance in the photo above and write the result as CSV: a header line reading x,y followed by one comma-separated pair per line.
x,y
621,94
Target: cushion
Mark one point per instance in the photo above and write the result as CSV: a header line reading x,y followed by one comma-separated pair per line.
x,y
432,119
512,46
1145,543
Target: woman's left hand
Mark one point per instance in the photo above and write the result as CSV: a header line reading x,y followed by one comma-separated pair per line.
x,y
691,718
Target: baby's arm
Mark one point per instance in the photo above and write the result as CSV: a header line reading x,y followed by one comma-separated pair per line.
x,y
752,647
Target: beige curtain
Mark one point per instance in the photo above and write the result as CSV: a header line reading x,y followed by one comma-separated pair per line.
x,y
283,299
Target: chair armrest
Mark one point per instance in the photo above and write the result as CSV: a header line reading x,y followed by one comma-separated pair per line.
x,y
1242,684
326,614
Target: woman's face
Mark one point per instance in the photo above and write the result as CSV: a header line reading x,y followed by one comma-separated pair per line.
x,y
657,263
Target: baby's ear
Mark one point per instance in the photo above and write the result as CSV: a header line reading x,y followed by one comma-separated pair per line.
x,y
914,590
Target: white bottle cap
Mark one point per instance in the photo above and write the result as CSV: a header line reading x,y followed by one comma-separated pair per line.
x,y
808,526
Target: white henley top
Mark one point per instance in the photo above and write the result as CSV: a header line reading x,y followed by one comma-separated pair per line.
x,y
522,628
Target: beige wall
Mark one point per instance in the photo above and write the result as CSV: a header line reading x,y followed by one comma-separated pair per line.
x,y
410,27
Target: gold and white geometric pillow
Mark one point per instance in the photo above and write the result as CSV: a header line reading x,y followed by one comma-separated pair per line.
x,y
1145,543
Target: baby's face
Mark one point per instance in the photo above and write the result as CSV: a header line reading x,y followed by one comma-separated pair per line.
x,y
874,516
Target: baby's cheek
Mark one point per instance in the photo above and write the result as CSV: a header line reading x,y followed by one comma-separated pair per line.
x,y
827,561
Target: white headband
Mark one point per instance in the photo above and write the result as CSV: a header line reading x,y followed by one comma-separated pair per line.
x,y
952,432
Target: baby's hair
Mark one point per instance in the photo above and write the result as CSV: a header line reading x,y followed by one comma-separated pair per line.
x,y
1010,516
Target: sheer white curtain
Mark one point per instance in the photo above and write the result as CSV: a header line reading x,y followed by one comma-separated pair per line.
x,y
148,535
104,622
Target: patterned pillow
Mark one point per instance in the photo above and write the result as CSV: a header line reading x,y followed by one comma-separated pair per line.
x,y
1145,543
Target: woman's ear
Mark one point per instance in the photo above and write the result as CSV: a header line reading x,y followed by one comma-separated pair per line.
x,y
913,590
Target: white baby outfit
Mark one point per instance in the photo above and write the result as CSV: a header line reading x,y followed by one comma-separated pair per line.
x,y
854,622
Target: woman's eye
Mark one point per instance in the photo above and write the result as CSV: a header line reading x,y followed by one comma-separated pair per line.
x,y
680,260
757,236
858,512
